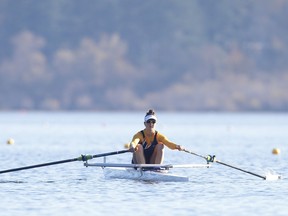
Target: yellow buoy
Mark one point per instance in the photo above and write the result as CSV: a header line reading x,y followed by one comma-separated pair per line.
x,y
10,141
276,151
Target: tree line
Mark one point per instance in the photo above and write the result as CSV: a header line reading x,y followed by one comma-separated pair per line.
x,y
130,55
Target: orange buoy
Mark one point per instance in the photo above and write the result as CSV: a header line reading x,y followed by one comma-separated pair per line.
x,y
276,151
10,141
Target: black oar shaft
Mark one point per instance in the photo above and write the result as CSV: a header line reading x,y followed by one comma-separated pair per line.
x,y
81,158
38,165
219,162
111,153
190,152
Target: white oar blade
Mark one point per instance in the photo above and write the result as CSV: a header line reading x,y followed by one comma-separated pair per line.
x,y
272,177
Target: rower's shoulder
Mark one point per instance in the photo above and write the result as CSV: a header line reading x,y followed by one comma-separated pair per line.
x,y
159,134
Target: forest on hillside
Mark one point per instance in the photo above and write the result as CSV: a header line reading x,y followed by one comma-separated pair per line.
x,y
174,55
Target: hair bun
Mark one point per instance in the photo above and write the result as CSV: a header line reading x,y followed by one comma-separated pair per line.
x,y
150,112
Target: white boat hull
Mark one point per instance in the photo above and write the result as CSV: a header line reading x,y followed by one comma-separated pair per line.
x,y
140,172
132,174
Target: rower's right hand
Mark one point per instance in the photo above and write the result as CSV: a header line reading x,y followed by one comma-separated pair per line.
x,y
131,148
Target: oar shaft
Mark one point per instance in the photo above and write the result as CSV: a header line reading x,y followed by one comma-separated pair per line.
x,y
190,152
81,158
110,153
38,165
219,162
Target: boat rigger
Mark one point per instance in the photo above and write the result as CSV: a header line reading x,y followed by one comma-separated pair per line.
x,y
144,172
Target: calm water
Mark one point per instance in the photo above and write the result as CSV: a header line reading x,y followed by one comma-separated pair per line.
x,y
243,140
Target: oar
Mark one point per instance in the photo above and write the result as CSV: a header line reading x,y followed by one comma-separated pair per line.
x,y
81,158
210,158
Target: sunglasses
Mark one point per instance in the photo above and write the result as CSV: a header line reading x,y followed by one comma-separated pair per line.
x,y
151,121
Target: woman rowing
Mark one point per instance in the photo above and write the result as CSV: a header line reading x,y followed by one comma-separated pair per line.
x,y
148,144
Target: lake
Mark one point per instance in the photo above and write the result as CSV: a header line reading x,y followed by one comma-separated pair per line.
x,y
244,140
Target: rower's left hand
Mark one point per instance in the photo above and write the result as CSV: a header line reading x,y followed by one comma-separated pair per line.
x,y
179,147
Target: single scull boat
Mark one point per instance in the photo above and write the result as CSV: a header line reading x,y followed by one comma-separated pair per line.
x,y
145,172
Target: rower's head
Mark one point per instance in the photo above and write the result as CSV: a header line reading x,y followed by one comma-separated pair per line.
x,y
150,118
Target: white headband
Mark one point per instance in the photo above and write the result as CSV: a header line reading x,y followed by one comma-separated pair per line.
x,y
150,117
